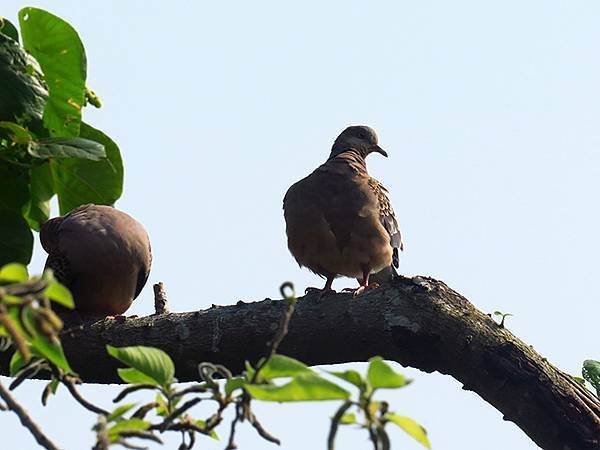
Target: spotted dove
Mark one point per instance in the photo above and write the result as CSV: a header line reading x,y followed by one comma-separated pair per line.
x,y
101,254
339,220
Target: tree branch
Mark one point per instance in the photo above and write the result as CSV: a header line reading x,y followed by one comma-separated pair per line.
x,y
418,322
26,420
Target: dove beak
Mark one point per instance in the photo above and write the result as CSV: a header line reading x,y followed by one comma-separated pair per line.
x,y
378,149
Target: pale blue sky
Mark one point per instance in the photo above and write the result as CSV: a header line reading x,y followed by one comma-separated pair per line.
x,y
489,112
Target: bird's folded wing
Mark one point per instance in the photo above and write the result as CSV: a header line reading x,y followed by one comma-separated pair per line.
x,y
387,217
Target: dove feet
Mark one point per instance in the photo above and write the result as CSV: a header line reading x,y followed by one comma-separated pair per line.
x,y
361,289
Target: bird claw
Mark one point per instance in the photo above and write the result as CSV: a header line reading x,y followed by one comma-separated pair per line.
x,y
361,289
118,318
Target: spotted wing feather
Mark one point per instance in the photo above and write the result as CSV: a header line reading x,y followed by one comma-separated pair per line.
x,y
388,219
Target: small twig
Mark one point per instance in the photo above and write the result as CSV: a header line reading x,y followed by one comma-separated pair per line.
x,y
282,331
261,431
82,401
16,337
125,392
335,422
161,305
175,414
141,435
26,420
143,410
238,414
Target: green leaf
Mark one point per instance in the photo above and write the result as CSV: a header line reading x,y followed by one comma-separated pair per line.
x,y
163,408
8,29
52,351
411,427
249,370
19,134
59,294
16,363
79,181
13,273
351,376
119,411
234,383
41,190
14,187
67,148
213,434
16,243
591,372
280,366
381,375
348,419
305,387
127,425
134,376
23,92
150,361
57,47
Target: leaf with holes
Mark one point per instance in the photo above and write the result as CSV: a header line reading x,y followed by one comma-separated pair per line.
x,y
57,47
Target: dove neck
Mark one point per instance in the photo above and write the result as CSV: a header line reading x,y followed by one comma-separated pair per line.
x,y
348,153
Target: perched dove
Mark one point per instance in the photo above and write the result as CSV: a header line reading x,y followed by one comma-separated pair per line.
x,y
101,254
339,220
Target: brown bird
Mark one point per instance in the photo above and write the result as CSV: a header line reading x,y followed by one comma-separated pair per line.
x,y
101,254
339,220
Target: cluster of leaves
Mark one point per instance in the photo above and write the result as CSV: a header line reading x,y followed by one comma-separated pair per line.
x,y
28,322
45,147
591,374
33,329
275,378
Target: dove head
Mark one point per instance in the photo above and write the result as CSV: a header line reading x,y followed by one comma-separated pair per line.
x,y
360,138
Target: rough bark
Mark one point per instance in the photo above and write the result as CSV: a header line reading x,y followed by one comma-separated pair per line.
x,y
418,322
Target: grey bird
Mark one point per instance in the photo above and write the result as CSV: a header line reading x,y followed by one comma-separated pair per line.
x,y
339,220
101,254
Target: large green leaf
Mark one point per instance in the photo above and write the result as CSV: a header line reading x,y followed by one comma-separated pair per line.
x,y
150,361
78,181
411,427
8,29
305,387
57,47
23,93
14,186
67,148
16,240
41,190
381,375
280,366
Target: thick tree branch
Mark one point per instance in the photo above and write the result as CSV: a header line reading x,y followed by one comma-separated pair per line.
x,y
418,322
